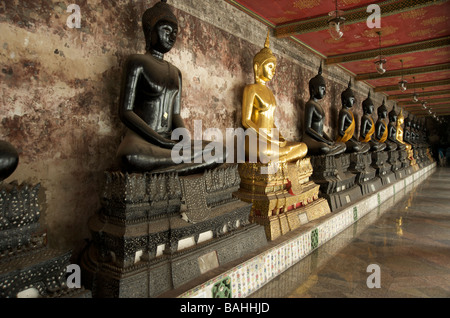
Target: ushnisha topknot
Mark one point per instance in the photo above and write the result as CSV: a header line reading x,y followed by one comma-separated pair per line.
x,y
159,12
367,102
265,54
382,108
318,80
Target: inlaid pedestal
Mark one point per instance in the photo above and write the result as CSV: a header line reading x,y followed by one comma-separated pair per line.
x,y
282,199
337,184
156,232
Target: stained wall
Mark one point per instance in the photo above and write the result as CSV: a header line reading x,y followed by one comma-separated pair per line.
x,y
60,89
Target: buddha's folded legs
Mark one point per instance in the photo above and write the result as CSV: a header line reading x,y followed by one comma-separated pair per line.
x,y
137,155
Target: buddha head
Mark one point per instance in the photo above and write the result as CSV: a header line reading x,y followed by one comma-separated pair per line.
x,y
408,121
160,28
368,106
393,116
264,63
348,97
382,110
317,86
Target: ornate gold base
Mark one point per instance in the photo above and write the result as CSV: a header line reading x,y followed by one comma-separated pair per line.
x,y
411,157
281,201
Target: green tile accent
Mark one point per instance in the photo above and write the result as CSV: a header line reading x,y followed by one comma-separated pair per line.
x,y
314,238
394,189
355,213
222,289
379,199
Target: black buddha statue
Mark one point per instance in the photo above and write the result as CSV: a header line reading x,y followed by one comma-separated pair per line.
x,y
368,127
415,126
381,128
409,135
150,104
347,123
392,130
318,142
9,159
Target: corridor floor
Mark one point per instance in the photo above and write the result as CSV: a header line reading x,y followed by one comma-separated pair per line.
x,y
407,237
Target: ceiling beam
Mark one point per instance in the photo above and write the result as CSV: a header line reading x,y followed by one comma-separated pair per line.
x,y
390,51
429,101
352,16
411,86
419,94
426,114
405,72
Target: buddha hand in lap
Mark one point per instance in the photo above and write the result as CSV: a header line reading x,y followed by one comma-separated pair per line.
x,y
347,124
150,103
318,142
368,127
258,108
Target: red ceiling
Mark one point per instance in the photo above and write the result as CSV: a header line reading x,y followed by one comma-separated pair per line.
x,y
422,23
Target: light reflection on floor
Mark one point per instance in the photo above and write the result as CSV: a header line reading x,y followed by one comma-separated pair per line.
x,y
408,236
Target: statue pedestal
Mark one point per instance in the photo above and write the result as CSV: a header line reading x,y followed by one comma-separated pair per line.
x,y
380,162
406,167
365,174
411,160
337,184
394,161
156,232
28,268
282,200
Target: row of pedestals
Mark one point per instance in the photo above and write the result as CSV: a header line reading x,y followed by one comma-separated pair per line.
x,y
156,232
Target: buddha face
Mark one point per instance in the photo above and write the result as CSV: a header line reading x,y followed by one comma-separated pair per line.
x,y
382,113
368,108
164,36
268,70
349,101
320,92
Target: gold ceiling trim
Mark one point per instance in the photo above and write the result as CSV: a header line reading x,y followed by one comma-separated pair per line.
x,y
413,85
419,94
389,51
429,101
405,72
389,7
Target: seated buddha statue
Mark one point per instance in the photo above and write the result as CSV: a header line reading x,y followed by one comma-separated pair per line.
x,y
9,159
381,128
368,126
150,103
318,142
408,133
400,133
392,130
258,108
347,123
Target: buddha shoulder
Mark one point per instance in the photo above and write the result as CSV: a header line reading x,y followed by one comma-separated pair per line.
x,y
149,64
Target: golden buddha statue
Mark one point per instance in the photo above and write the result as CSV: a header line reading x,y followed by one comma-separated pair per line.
x,y
282,198
399,136
258,108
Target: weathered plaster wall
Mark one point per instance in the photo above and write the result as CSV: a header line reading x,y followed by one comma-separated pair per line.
x,y
60,87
